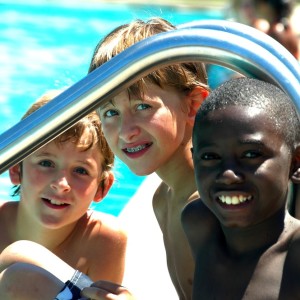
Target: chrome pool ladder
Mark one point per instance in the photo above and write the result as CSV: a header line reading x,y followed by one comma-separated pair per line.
x,y
232,45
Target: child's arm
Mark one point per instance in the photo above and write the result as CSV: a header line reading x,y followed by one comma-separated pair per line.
x,y
33,253
22,281
102,290
290,288
31,271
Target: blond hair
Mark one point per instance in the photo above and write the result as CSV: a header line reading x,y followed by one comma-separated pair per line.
x,y
184,76
90,124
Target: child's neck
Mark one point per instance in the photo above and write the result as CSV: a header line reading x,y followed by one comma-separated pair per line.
x,y
255,239
178,171
27,229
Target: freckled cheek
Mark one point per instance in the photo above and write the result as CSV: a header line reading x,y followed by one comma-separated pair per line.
x,y
111,134
34,177
85,188
161,118
167,129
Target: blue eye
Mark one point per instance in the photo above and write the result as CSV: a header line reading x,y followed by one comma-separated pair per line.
x,y
143,106
110,113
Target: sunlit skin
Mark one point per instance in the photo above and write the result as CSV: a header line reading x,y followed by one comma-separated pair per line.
x,y
138,130
243,166
50,234
60,184
153,134
242,161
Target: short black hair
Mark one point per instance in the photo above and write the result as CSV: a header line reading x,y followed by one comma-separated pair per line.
x,y
260,94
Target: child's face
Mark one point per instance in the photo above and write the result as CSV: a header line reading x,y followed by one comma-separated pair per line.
x,y
145,133
241,164
59,182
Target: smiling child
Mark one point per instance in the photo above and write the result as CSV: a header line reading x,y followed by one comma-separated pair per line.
x,y
245,152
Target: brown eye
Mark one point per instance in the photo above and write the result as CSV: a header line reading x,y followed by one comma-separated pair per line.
x,y
252,154
81,171
209,156
46,163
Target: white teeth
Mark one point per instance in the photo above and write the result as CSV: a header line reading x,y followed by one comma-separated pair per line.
x,y
234,200
56,202
227,200
136,149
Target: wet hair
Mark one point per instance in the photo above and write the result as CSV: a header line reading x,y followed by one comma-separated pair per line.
x,y
184,76
260,94
90,123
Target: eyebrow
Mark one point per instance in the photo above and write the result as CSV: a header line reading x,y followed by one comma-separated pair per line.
x,y
110,102
45,154
241,142
85,162
252,141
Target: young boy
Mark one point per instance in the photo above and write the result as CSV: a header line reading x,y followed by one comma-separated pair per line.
x,y
245,151
149,127
57,184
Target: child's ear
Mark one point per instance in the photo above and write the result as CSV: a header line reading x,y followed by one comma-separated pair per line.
x,y
195,99
104,186
295,176
15,174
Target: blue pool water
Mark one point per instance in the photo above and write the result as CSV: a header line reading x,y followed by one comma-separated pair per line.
x,y
47,45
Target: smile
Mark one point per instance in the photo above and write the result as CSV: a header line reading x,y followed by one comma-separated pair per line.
x,y
234,200
137,148
54,202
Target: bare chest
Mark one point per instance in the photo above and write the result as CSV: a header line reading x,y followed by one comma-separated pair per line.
x,y
179,257
221,277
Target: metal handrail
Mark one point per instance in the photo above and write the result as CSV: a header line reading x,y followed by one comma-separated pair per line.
x,y
207,45
253,35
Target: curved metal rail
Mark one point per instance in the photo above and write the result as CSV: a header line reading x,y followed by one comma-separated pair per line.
x,y
253,35
194,44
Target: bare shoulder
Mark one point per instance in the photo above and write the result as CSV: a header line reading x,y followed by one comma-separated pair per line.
x,y
294,241
191,211
163,194
200,225
103,242
8,211
101,231
160,193
195,217
291,272
195,213
159,202
106,224
8,205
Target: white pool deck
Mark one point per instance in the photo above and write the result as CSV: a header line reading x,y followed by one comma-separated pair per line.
x,y
146,274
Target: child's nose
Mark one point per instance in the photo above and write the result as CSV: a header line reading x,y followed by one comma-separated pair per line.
x,y
61,184
128,128
229,176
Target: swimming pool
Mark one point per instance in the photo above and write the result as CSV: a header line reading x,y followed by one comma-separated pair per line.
x,y
49,45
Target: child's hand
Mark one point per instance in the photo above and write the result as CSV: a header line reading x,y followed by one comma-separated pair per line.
x,y
104,290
